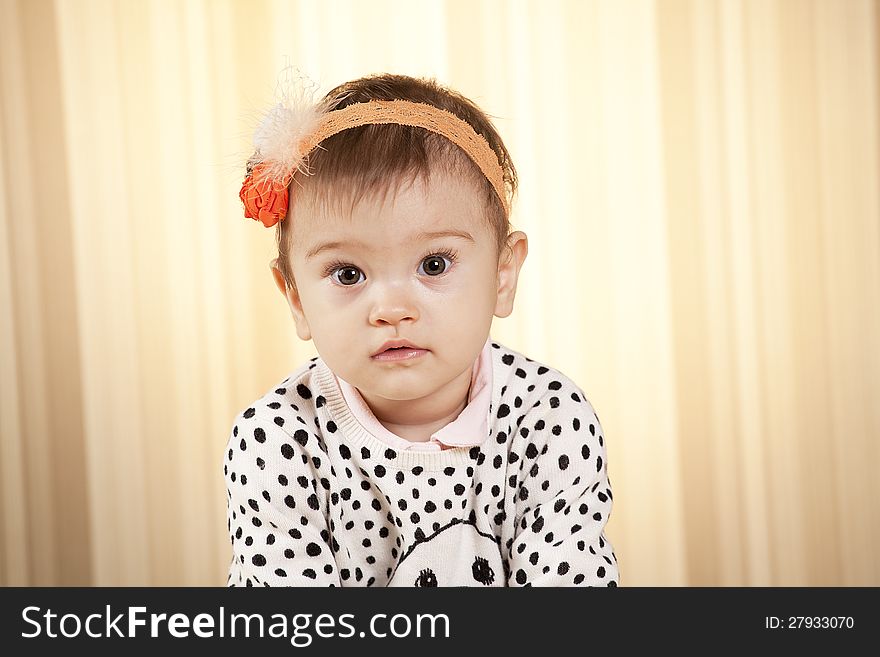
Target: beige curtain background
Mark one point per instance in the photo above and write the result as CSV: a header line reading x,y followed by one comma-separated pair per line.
x,y
701,188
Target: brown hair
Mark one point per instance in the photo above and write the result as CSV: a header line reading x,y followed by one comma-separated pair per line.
x,y
373,160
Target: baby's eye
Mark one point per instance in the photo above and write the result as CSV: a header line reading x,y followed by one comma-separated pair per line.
x,y
434,265
348,275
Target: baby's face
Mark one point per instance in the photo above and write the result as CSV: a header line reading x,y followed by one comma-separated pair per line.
x,y
422,266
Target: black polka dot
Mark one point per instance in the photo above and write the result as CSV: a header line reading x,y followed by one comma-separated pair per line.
x,y
259,435
249,413
313,549
303,391
259,560
287,451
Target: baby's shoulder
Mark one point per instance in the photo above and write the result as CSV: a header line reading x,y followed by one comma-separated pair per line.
x,y
290,404
526,383
542,413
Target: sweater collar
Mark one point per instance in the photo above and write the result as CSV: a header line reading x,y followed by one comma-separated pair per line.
x,y
469,429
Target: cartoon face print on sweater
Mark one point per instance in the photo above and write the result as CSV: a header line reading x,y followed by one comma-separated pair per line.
x,y
457,552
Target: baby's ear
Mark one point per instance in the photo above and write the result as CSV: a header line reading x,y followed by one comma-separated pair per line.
x,y
509,263
291,294
278,276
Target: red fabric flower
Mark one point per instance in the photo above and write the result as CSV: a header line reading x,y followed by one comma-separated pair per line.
x,y
264,200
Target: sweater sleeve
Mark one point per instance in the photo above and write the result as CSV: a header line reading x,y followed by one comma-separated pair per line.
x,y
564,500
275,502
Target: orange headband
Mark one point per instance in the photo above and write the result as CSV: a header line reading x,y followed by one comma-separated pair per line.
x,y
265,188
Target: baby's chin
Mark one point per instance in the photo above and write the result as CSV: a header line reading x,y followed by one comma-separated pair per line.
x,y
398,386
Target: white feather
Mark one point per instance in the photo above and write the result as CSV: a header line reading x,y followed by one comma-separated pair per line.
x,y
279,136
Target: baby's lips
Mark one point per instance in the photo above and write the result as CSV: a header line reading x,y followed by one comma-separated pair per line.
x,y
383,349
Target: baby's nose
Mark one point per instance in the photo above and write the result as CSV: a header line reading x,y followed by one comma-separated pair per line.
x,y
392,305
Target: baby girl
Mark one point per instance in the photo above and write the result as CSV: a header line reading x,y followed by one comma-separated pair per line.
x,y
413,450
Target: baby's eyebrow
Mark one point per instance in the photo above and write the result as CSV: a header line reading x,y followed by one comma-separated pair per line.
x,y
419,237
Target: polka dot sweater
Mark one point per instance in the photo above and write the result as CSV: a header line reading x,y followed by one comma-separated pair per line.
x,y
316,500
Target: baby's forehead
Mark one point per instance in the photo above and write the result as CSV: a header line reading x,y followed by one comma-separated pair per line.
x,y
387,241
408,215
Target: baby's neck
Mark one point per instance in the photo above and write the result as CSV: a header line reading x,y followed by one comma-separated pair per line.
x,y
416,420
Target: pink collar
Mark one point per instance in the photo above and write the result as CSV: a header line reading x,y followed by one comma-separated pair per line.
x,y
468,429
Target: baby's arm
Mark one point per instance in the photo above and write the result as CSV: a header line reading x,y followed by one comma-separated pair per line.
x,y
278,530
558,536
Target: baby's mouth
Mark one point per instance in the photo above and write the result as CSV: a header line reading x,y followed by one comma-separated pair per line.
x,y
400,353
396,344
